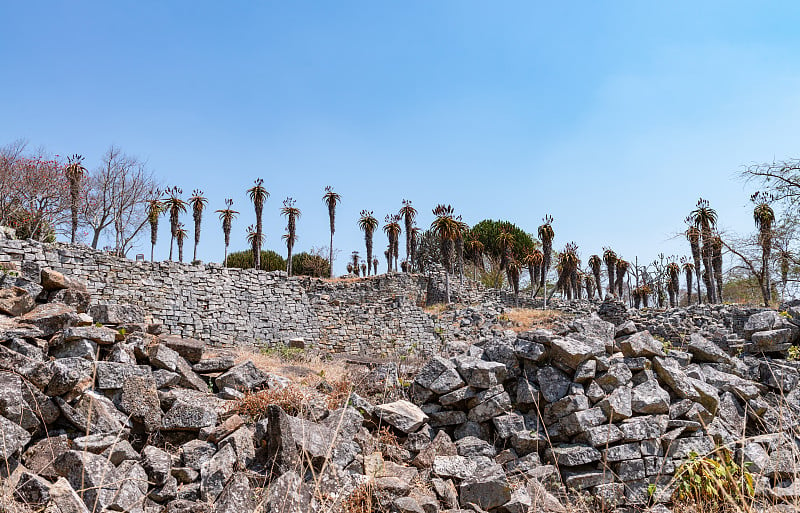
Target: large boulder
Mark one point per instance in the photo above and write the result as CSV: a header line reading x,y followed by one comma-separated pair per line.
x,y
16,301
403,415
243,377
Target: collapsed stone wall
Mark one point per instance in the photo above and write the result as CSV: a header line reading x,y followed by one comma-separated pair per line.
x,y
373,317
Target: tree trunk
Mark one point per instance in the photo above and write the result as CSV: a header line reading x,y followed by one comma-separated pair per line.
x,y
152,250
330,259
171,241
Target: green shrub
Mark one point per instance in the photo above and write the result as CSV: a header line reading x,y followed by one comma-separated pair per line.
x,y
307,264
270,260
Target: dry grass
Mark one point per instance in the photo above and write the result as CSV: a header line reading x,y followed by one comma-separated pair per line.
x,y
435,308
310,370
290,398
523,319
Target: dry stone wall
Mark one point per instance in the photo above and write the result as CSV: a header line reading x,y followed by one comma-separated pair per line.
x,y
371,317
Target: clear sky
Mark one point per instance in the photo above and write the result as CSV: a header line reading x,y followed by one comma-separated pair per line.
x,y
613,117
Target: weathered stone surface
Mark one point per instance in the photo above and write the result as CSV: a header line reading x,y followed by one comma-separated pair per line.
x,y
456,467
671,374
72,375
488,488
100,335
53,280
12,438
703,350
641,344
571,352
480,373
236,497
15,301
215,472
50,318
405,416
112,375
649,398
189,348
140,401
289,494
244,377
618,404
64,499
773,340
132,487
573,455
117,313
91,473
216,364
553,384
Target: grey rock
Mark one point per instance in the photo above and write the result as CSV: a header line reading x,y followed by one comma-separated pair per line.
x,y
13,438
118,313
236,497
140,400
15,301
91,473
289,494
480,373
32,489
704,350
157,464
570,352
553,384
190,349
641,344
216,364
215,472
244,377
573,455
403,415
99,335
488,488
64,499
162,357
649,398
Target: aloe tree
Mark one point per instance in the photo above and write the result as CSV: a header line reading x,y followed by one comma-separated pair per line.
x,y
716,264
392,230
533,260
513,268
292,213
588,282
198,203
258,195
227,215
446,227
180,236
596,264
75,173
375,263
415,234
475,250
409,214
693,236
254,238
673,283
764,217
610,259
353,267
368,224
154,210
176,206
546,235
621,271
688,270
704,218
331,199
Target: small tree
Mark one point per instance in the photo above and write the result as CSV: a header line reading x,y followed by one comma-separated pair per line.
x,y
75,173
258,195
180,235
176,206
331,199
198,203
227,215
292,213
154,210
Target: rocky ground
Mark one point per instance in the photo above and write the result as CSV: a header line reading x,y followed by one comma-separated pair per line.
x,y
102,412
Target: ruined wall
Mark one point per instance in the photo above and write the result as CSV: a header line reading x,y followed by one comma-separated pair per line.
x,y
371,317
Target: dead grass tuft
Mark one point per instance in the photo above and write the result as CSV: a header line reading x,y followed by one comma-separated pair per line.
x,y
291,398
360,499
523,319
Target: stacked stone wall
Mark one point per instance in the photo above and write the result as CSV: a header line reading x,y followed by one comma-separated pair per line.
x,y
376,316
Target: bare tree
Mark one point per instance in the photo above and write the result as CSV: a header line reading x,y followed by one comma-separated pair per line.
x,y
117,195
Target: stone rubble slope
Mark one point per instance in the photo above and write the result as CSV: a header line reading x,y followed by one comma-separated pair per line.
x,y
100,411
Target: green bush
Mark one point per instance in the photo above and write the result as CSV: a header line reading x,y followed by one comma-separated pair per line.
x,y
270,261
307,264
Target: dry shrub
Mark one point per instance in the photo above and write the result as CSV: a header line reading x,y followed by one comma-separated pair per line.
x,y
290,398
387,437
359,500
339,394
523,319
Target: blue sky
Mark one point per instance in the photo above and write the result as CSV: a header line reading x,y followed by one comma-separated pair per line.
x,y
613,117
